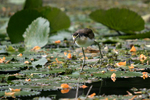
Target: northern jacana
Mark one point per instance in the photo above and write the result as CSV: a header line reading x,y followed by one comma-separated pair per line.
x,y
84,38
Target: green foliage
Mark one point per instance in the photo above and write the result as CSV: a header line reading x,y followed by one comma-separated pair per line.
x,y
33,4
22,19
42,61
37,33
19,22
136,36
117,19
58,19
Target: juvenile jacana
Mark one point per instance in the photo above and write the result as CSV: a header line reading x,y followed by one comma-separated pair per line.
x,y
83,38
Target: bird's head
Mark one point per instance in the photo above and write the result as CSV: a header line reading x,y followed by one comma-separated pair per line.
x,y
75,36
86,32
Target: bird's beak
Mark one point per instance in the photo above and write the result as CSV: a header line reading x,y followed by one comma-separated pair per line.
x,y
75,38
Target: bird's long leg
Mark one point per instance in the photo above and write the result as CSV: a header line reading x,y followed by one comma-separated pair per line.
x,y
83,59
101,56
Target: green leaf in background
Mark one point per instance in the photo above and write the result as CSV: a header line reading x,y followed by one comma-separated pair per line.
x,y
33,4
42,61
19,22
37,33
136,36
58,19
16,1
117,19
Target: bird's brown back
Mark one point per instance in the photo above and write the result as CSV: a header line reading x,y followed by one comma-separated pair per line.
x,y
85,32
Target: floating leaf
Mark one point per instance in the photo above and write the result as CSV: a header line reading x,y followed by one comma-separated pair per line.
x,y
117,19
37,33
42,62
19,22
137,36
33,4
58,19
16,1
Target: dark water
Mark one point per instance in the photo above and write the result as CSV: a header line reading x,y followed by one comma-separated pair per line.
x,y
107,87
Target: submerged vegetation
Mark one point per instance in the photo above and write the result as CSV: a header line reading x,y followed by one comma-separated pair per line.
x,y
38,57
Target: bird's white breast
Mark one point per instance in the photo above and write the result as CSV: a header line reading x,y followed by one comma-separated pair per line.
x,y
84,41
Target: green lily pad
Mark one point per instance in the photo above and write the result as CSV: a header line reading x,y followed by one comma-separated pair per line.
x,y
37,33
118,19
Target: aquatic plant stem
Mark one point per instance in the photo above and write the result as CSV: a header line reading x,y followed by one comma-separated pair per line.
x,y
77,90
100,87
88,91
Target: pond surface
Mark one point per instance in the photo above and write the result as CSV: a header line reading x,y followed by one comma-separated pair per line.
x,y
105,87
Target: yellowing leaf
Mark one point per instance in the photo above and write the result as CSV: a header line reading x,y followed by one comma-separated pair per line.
x,y
65,86
145,75
121,64
12,94
65,53
83,86
57,61
131,68
14,90
133,49
36,48
69,56
2,60
28,80
92,95
113,77
19,55
58,41
26,62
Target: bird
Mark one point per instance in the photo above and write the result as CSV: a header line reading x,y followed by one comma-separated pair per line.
x,y
84,38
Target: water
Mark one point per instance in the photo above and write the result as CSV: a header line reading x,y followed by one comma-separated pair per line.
x,y
105,87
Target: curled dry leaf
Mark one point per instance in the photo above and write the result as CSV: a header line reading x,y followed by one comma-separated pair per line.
x,y
28,80
113,77
131,68
26,62
145,75
121,64
69,56
57,61
19,55
85,58
58,41
92,95
133,49
12,94
14,90
83,86
36,48
65,53
2,60
65,86
112,70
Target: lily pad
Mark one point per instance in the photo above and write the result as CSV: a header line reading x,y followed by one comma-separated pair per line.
x,y
37,33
